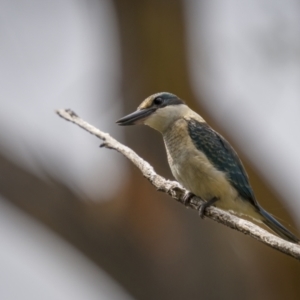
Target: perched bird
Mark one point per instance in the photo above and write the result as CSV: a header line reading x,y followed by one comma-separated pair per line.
x,y
201,159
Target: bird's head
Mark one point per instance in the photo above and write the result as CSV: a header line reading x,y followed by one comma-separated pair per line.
x,y
157,111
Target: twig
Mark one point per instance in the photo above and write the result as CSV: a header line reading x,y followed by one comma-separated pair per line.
x,y
177,192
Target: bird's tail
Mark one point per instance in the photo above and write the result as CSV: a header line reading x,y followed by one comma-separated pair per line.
x,y
273,224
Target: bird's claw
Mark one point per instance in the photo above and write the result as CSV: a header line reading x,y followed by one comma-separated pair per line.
x,y
187,198
202,209
205,205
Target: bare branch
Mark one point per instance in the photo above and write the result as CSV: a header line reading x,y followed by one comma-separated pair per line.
x,y
177,192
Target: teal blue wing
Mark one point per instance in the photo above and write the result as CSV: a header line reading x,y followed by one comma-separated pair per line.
x,y
223,157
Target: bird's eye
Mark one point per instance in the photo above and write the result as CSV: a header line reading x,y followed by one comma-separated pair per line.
x,y
158,101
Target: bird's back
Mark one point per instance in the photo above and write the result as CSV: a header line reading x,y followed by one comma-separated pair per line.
x,y
193,168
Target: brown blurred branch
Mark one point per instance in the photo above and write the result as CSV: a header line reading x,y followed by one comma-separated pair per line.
x,y
177,192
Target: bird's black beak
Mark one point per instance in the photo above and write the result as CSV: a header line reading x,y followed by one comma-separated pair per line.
x,y
136,117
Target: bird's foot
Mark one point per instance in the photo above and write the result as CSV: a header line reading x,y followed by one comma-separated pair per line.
x,y
187,198
205,205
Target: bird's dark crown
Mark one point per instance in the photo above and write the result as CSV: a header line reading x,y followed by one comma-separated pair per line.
x,y
160,100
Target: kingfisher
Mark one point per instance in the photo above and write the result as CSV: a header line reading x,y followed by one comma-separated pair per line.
x,y
202,160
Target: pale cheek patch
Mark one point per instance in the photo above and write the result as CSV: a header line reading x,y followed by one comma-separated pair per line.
x,y
164,117
155,121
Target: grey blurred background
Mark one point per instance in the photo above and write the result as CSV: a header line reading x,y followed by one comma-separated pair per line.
x,y
79,222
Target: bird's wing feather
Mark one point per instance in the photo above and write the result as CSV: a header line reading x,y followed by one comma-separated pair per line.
x,y
220,153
